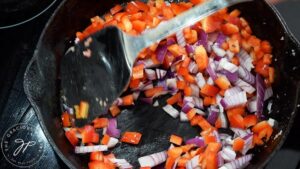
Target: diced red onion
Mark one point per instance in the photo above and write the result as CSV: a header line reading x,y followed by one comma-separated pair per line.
x,y
252,105
153,159
245,60
180,38
218,51
160,73
226,65
260,94
200,80
234,100
170,41
148,63
232,77
224,120
228,154
187,107
198,102
118,102
161,52
171,83
220,160
209,46
268,93
210,81
190,49
273,123
217,136
246,75
248,143
89,149
151,75
221,38
112,142
112,128
178,60
198,141
200,112
162,83
245,86
211,70
202,36
193,67
239,132
229,54
240,162
121,163
188,99
171,111
232,91
193,163
183,117
212,116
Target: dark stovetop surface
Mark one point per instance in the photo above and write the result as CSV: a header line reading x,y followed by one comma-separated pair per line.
x,y
17,45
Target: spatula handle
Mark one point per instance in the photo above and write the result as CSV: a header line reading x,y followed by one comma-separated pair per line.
x,y
186,19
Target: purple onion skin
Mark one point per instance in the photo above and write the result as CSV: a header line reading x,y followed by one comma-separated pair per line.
x,y
202,36
197,141
220,39
232,77
260,94
161,52
212,117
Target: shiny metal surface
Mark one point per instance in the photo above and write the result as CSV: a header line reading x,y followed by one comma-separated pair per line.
x,y
100,76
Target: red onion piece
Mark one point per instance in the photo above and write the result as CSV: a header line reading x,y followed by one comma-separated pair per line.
x,y
193,163
232,91
112,128
260,94
240,162
234,100
221,38
89,149
252,105
160,73
212,116
232,77
171,83
183,117
121,163
171,111
161,52
226,65
245,86
198,141
245,60
246,75
170,41
195,90
193,67
248,143
211,70
220,160
112,142
187,107
200,80
151,75
153,159
202,36
228,154
189,49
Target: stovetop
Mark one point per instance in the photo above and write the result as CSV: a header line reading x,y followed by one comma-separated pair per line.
x,y
23,143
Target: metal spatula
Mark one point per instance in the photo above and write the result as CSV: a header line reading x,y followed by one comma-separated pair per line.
x,y
98,69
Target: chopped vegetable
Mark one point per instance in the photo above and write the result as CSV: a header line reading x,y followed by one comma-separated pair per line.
x,y
176,139
131,137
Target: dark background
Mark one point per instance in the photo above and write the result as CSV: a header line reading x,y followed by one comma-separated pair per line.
x,y
17,45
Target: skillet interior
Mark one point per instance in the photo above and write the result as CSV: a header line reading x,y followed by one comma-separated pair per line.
x,y
41,82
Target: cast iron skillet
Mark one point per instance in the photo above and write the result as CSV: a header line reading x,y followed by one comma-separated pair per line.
x,y
41,83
